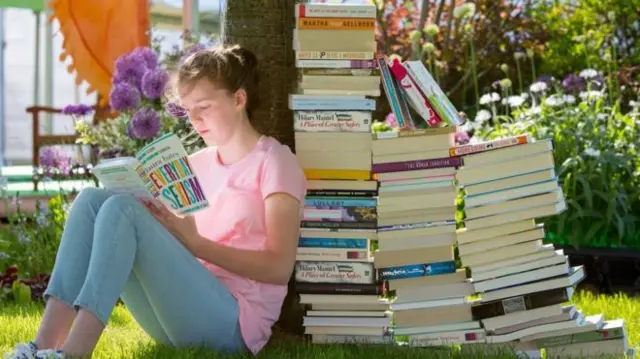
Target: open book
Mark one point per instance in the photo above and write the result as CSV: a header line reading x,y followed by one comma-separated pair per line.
x,y
160,170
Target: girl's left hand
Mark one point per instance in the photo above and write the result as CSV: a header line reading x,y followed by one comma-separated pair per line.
x,y
182,227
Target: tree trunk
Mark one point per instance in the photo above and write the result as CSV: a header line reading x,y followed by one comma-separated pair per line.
x,y
266,28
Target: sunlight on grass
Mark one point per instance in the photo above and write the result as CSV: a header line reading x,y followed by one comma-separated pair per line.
x,y
124,339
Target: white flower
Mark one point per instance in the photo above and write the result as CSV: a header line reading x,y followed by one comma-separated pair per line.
x,y
588,73
23,238
474,140
467,126
554,101
591,152
634,104
489,98
570,99
538,87
482,116
590,95
515,101
602,116
534,111
519,55
464,10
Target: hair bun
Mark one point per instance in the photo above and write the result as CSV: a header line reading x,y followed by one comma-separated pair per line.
x,y
246,56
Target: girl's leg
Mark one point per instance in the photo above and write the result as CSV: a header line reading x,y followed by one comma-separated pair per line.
x,y
190,304
70,269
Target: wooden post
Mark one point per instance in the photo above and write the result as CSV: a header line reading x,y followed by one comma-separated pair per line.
x,y
266,28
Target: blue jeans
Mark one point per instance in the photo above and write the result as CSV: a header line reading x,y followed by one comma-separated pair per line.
x,y
112,247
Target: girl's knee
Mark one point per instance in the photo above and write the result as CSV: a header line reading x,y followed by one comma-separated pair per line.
x,y
122,205
91,196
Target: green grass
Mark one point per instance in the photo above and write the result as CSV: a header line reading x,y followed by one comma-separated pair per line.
x,y
124,339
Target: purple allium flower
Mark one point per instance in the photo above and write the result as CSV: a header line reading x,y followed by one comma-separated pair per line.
x,y
192,50
129,68
124,96
573,83
154,83
149,56
145,123
77,110
176,110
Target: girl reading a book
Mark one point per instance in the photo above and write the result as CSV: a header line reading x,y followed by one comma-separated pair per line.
x,y
216,278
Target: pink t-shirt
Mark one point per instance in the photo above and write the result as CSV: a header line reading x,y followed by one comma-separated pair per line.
x,y
236,218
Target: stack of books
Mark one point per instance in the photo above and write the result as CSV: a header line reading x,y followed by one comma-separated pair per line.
x,y
336,89
416,235
332,111
508,183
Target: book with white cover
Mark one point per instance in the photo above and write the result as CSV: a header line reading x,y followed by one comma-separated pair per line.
x,y
519,268
502,241
520,317
522,277
528,190
346,322
546,251
446,327
569,312
448,338
577,322
596,322
509,182
575,276
512,153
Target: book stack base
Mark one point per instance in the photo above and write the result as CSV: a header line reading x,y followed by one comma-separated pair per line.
x,y
522,282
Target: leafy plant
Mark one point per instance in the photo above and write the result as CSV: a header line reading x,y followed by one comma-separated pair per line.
x,y
28,247
595,147
588,34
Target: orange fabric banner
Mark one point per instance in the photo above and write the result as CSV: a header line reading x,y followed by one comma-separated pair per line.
x,y
96,33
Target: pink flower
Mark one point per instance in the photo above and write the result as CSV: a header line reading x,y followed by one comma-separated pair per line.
x,y
462,138
391,120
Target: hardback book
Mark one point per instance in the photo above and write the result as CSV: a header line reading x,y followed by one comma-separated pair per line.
x,y
160,170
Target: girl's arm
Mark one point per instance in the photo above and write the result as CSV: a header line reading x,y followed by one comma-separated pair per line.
x,y
275,263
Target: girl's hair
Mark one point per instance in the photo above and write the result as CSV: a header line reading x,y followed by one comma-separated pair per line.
x,y
231,67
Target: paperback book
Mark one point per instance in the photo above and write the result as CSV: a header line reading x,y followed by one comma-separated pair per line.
x,y
160,170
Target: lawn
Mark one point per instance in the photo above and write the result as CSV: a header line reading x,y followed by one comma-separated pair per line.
x,y
123,338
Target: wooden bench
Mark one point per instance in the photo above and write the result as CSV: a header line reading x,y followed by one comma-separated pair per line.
x,y
40,141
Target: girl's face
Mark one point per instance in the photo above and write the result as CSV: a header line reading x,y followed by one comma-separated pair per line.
x,y
214,113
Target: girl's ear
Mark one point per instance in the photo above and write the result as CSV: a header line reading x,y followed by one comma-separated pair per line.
x,y
241,99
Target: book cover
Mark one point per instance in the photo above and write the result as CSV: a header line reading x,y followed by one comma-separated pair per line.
x,y
160,170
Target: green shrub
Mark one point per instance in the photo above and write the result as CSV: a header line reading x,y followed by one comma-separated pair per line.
x,y
28,246
588,34
595,147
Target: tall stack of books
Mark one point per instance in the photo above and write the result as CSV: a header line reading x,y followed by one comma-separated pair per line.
x,y
332,109
523,283
416,235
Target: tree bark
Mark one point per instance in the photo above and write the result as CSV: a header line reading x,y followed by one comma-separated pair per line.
x,y
266,28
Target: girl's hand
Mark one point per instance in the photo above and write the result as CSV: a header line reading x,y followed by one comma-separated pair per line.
x,y
182,227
